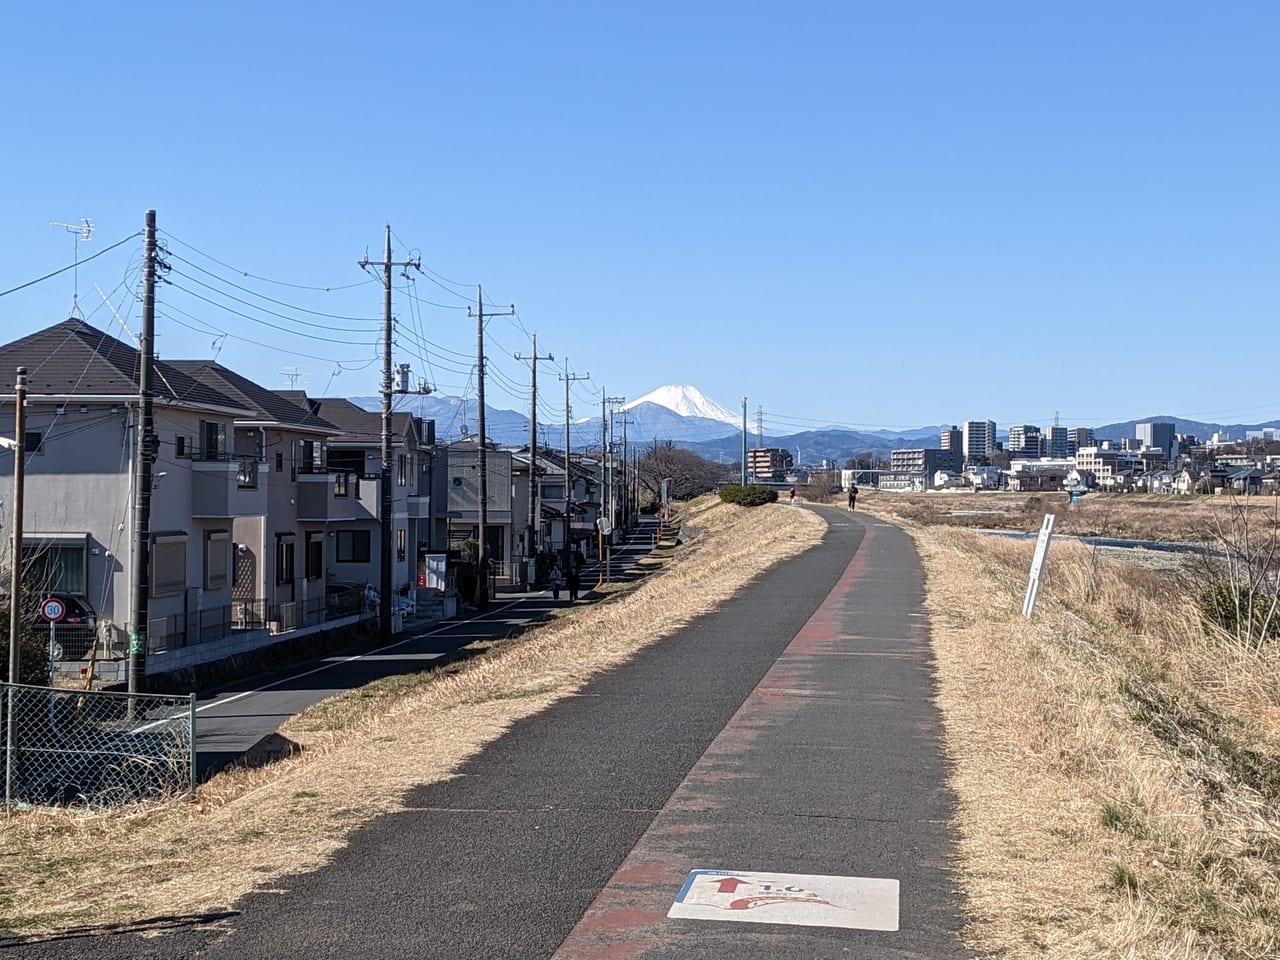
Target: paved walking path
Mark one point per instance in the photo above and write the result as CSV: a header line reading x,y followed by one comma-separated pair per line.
x,y
789,732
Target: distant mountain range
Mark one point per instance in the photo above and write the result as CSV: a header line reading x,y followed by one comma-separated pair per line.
x,y
688,418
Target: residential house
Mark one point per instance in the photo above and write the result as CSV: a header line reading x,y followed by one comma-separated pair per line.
x,y
83,415
342,480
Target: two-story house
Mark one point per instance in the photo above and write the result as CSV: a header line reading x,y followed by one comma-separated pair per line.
x,y
82,417
355,453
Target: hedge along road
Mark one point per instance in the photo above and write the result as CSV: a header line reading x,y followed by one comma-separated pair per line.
x,y
790,731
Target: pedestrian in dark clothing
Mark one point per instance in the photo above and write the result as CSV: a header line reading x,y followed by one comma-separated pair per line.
x,y
574,580
853,497
556,578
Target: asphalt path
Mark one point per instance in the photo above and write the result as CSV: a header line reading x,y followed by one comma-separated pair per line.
x,y
233,718
791,730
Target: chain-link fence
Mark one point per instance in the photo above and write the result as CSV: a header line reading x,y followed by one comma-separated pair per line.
x,y
94,747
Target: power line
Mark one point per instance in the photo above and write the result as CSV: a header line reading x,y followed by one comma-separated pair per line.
x,y
261,296
253,276
274,313
266,323
70,266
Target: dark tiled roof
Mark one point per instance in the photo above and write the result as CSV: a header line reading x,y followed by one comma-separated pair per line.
x,y
267,404
357,424
72,358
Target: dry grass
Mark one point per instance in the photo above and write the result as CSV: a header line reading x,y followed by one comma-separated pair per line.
x,y
364,750
1117,773
1131,516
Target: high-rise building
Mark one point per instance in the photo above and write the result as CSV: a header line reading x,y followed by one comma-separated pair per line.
x,y
1158,434
1079,438
953,439
979,439
1025,442
1057,443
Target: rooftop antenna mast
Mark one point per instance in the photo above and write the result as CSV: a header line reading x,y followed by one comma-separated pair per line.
x,y
81,231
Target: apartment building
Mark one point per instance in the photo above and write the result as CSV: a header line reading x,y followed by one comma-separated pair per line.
x,y
979,439
914,469
952,438
1057,443
1160,434
1025,440
1078,438
769,463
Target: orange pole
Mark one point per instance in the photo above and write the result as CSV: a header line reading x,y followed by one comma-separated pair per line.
x,y
600,553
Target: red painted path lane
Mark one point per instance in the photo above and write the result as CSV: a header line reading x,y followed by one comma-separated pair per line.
x,y
749,802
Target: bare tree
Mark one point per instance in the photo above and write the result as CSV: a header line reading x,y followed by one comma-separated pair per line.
x,y
1238,572
690,474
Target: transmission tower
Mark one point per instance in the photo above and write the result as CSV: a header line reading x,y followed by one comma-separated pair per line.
x,y
760,427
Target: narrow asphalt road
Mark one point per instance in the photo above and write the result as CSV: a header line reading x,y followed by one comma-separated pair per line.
x,y
232,718
790,731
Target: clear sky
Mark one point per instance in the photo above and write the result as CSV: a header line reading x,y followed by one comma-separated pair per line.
x,y
870,214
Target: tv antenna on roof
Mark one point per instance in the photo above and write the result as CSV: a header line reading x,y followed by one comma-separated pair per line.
x,y
82,231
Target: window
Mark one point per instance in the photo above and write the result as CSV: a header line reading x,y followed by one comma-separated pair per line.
x,y
213,439
307,456
279,461
352,461
342,484
168,564
33,441
315,556
56,562
284,559
179,446
401,541
247,475
352,546
216,559
402,469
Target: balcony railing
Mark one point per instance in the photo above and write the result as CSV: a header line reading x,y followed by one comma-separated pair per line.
x,y
210,624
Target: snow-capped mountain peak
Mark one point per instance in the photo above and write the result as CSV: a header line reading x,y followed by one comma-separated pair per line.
x,y
687,402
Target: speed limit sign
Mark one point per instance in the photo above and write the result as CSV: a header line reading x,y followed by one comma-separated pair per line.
x,y
53,609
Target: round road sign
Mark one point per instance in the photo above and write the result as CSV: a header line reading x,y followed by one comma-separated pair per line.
x,y
53,609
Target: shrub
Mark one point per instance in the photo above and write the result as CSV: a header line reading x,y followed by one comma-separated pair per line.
x,y
1245,614
752,495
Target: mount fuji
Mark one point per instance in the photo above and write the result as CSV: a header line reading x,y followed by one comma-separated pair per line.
x,y
680,413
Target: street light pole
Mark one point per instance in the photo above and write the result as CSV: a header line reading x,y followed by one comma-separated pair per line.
x,y
744,441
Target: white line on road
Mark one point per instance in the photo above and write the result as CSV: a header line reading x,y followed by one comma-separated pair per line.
x,y
338,663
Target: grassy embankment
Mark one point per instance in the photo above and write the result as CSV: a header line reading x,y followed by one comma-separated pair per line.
x,y
1117,768
363,750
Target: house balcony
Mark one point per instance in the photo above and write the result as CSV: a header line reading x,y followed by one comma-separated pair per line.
x,y
228,487
328,497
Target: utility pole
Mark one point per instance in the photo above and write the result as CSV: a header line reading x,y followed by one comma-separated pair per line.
x,y
482,554
568,476
534,524
15,568
387,494
145,456
606,476
744,441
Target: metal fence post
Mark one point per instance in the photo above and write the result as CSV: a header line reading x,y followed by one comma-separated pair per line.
x,y
191,734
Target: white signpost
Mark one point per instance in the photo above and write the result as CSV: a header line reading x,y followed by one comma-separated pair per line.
x,y
1037,564
53,610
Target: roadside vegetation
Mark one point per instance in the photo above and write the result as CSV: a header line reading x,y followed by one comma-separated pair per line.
x,y
354,757
1116,759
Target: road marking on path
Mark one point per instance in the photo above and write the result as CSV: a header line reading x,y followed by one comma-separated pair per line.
x,y
796,899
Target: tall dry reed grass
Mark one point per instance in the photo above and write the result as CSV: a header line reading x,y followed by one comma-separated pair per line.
x,y
1116,768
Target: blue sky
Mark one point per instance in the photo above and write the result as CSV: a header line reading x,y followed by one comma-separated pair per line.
x,y
852,213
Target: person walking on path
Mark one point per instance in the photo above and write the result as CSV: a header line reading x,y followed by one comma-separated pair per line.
x,y
556,578
853,497
791,495
574,577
